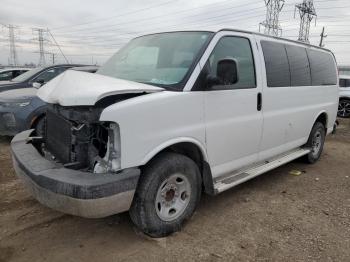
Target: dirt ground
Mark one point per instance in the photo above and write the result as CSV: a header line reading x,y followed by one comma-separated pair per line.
x,y
275,217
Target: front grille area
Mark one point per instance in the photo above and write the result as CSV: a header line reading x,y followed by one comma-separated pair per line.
x,y
58,137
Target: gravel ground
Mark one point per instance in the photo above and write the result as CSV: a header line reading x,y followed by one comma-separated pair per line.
x,y
275,217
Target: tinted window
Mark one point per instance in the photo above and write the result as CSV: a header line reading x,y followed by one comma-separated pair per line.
x,y
237,48
16,73
276,63
299,66
344,82
323,70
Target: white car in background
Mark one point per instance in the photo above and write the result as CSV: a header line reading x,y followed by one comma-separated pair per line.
x,y
344,96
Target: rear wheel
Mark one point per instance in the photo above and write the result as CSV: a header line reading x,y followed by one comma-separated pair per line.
x,y
167,194
315,142
344,108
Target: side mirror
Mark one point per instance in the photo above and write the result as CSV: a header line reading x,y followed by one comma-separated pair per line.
x,y
227,71
36,85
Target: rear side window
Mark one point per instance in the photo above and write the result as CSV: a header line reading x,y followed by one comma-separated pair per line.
x,y
323,70
299,66
276,64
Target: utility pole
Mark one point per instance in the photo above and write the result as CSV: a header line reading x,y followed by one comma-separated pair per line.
x,y
13,59
306,12
271,23
53,58
323,36
41,41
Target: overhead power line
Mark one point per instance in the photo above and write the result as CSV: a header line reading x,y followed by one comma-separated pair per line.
x,y
58,46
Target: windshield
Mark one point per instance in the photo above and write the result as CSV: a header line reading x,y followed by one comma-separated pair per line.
x,y
27,75
160,59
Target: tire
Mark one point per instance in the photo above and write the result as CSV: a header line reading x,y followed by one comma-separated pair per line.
x,y
344,108
167,194
316,143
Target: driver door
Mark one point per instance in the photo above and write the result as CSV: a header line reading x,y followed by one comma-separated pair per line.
x,y
233,115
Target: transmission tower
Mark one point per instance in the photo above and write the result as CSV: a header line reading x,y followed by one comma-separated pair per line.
x,y
307,12
13,59
41,39
271,23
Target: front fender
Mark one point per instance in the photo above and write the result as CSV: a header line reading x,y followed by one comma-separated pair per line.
x,y
151,122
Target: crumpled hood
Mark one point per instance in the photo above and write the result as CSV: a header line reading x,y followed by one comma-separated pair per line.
x,y
74,88
18,94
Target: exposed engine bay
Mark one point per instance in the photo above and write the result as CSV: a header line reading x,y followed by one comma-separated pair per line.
x,y
75,138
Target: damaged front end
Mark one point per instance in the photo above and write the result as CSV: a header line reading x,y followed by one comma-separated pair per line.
x,y
76,166
77,139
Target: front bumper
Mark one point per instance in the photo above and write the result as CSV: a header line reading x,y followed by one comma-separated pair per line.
x,y
70,191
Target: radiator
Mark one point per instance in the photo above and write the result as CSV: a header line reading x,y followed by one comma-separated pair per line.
x,y
58,137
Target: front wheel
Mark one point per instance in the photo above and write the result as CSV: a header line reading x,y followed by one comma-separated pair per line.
x,y
167,194
344,108
315,142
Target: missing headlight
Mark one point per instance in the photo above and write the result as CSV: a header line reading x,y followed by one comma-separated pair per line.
x,y
110,162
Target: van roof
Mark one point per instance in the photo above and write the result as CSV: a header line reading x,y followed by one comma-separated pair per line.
x,y
215,29
275,37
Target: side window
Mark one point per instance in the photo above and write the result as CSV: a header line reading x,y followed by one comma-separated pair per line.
x,y
16,73
299,66
276,64
49,74
342,82
6,76
237,48
323,69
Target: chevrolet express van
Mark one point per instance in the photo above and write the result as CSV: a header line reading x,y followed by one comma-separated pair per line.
x,y
172,115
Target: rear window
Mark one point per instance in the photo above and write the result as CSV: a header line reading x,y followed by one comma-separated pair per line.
x,y
276,63
323,70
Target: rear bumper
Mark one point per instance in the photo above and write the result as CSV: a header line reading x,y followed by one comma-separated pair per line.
x,y
70,191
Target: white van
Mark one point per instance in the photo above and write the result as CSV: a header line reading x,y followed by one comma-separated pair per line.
x,y
173,114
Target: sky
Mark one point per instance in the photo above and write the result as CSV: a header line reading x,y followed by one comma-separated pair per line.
x,y
91,31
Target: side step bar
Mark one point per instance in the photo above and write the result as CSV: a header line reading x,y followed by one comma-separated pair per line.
x,y
234,179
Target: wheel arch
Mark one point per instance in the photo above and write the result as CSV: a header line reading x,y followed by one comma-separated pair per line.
x,y
192,149
321,117
34,116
